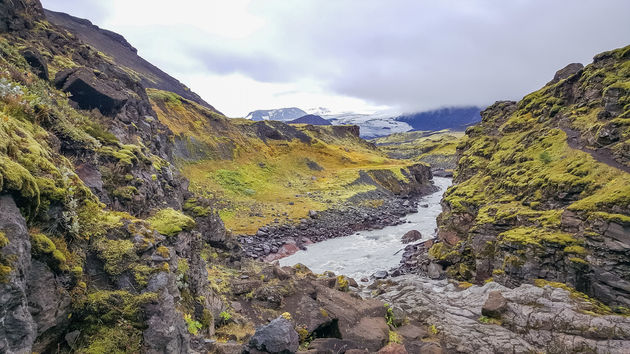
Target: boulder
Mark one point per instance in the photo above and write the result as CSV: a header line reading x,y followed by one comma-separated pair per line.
x,y
332,345
566,72
411,332
381,274
371,332
37,62
278,336
495,305
90,92
393,348
411,236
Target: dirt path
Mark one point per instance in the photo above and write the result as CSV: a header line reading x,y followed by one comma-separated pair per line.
x,y
602,155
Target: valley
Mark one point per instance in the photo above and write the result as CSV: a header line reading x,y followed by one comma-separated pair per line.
x,y
137,218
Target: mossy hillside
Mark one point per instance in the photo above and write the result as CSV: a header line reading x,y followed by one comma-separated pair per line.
x,y
255,180
437,149
170,222
517,175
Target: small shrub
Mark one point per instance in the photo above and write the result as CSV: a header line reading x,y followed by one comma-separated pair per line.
x,y
193,326
545,157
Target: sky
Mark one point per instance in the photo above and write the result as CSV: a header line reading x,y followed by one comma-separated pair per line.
x,y
360,55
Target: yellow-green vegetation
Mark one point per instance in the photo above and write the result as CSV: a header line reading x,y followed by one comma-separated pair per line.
x,y
193,326
489,320
5,264
117,255
517,173
587,304
437,149
170,222
238,331
259,172
44,247
394,337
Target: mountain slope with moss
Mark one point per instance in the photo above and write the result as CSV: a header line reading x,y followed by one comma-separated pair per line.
x,y
267,172
542,187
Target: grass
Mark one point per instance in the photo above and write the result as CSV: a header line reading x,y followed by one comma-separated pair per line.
x,y
256,182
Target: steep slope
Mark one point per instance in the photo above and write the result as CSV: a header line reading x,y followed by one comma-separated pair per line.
x,y
123,54
542,189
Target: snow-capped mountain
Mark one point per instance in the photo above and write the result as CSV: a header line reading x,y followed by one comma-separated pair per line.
x,y
281,114
371,125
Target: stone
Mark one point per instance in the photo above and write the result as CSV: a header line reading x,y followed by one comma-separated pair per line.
x,y
90,92
393,348
411,236
332,345
38,64
372,333
411,332
495,305
566,72
381,274
278,336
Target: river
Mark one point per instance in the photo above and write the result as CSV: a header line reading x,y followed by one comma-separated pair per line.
x,y
366,252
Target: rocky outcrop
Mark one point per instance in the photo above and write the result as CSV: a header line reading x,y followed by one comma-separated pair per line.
x,y
19,329
19,15
546,319
89,92
37,62
536,196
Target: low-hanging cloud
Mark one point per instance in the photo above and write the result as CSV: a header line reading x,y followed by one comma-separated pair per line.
x,y
405,54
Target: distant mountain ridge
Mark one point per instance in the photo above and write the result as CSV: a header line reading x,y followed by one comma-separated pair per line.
x,y
311,119
280,114
456,118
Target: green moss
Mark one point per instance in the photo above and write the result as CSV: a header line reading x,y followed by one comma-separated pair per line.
x,y
575,250
44,247
163,252
117,255
440,251
126,192
594,306
170,222
109,307
342,283
192,206
394,337
537,236
4,240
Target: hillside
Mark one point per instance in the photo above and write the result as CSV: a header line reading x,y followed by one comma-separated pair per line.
x,y
280,114
116,48
267,172
542,190
438,149
310,119
107,246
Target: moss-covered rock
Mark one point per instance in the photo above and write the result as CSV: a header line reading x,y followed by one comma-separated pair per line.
x,y
170,222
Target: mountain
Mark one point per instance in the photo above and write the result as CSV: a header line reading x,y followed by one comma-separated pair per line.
x,y
541,191
115,196
310,119
116,48
371,125
281,114
454,118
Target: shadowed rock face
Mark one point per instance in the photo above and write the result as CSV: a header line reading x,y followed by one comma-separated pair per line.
x,y
19,15
37,62
89,92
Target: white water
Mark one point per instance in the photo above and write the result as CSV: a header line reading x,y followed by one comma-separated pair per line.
x,y
366,252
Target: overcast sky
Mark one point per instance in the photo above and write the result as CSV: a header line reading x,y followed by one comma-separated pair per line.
x,y
360,55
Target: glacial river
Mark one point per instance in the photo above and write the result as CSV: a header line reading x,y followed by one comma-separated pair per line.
x,y
366,252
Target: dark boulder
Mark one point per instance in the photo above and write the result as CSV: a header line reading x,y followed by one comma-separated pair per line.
x,y
38,64
278,336
495,305
18,15
566,72
411,236
90,92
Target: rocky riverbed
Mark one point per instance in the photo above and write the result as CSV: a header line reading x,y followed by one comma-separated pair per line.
x,y
274,242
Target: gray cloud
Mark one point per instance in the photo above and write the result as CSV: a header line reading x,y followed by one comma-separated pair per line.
x,y
408,54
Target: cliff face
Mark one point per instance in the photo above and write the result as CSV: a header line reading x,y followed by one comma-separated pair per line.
x,y
542,187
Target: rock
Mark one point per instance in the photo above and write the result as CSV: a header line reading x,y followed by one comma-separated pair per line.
x,y
71,338
393,348
411,236
381,274
435,271
312,214
495,305
166,330
357,351
371,333
412,332
89,92
37,62
276,337
18,329
332,345
566,72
